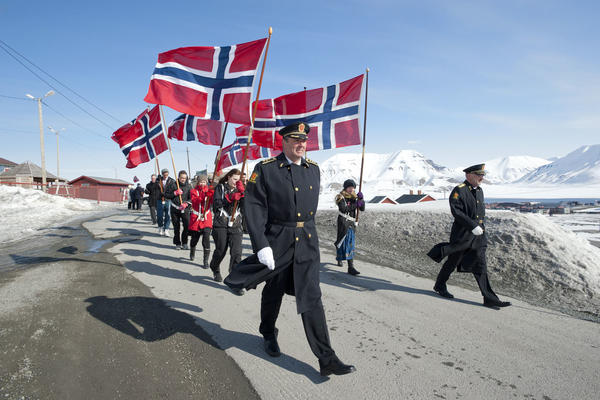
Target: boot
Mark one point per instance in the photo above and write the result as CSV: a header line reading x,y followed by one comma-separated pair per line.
x,y
351,269
339,263
206,257
192,253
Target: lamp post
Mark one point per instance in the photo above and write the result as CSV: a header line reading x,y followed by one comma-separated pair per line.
x,y
39,101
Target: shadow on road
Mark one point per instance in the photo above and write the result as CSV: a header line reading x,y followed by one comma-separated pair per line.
x,y
338,277
151,319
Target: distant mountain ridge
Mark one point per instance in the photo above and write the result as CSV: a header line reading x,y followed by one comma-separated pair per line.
x,y
581,166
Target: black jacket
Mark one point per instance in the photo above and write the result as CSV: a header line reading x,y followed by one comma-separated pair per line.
x,y
170,189
153,192
468,208
221,203
347,205
280,205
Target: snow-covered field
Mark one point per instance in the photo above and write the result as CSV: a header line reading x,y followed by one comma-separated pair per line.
x,y
529,255
24,211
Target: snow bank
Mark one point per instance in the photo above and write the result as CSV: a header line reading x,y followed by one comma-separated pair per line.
x,y
24,211
529,256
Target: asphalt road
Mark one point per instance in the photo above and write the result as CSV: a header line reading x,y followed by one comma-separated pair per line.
x,y
74,324
405,341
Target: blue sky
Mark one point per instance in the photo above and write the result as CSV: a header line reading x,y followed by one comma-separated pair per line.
x,y
459,81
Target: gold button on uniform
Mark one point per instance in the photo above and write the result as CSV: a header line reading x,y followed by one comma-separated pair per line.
x,y
296,189
310,187
309,236
297,238
311,213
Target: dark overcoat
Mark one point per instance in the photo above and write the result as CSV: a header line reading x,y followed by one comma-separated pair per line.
x,y
280,205
223,202
347,205
468,208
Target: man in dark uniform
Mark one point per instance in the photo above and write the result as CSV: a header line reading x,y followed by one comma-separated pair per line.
x,y
280,206
468,239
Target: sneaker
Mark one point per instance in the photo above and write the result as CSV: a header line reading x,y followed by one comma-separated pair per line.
x,y
185,247
166,233
161,232
177,247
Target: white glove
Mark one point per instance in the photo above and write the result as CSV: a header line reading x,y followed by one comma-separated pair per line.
x,y
477,231
265,256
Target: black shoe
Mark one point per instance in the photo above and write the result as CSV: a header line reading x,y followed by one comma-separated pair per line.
x,y
238,292
336,367
339,263
192,253
443,292
272,348
177,247
218,277
206,257
496,303
352,270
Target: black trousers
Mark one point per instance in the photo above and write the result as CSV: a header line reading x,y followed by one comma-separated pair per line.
x,y
179,218
152,211
315,325
205,234
224,238
481,277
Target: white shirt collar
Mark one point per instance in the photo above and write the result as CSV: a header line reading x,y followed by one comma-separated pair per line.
x,y
299,162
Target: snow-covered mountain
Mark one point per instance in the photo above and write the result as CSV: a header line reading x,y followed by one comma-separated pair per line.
x,y
511,168
392,174
581,166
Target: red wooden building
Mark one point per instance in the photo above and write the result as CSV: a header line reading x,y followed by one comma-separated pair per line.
x,y
100,189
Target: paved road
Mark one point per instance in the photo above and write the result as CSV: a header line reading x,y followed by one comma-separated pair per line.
x,y
75,325
405,341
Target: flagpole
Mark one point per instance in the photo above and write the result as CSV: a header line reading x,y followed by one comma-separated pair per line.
x,y
245,156
218,158
162,120
362,163
159,178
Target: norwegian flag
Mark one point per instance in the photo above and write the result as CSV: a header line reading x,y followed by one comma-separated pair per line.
x,y
270,139
332,113
189,128
208,82
142,139
234,153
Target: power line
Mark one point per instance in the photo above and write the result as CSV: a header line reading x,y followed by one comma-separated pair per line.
x,y
71,121
49,84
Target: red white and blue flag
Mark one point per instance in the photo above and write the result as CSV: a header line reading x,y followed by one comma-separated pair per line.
x,y
208,82
234,153
332,113
189,128
141,139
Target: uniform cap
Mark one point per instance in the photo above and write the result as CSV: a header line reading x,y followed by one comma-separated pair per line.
x,y
477,169
299,130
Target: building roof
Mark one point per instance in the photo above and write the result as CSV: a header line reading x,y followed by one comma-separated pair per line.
x,y
5,162
27,169
105,181
379,199
410,198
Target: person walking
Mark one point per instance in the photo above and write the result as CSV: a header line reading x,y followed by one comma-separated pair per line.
x,y
348,201
180,215
130,205
280,204
139,196
227,234
154,194
468,238
201,219
163,205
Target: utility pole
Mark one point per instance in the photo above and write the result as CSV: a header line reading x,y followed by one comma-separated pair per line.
x,y
57,153
39,101
187,150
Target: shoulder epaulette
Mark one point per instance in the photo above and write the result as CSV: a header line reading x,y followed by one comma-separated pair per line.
x,y
268,160
462,185
311,162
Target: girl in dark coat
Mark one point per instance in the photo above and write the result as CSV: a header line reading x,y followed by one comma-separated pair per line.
x,y
347,201
226,234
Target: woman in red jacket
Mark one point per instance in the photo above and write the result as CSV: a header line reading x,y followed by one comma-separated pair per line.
x,y
201,217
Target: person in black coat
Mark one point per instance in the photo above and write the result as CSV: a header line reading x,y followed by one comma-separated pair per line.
x,y
281,201
180,200
347,201
468,238
226,233
154,194
138,194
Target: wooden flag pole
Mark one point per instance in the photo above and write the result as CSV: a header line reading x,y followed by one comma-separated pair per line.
x,y
159,177
362,163
162,120
218,158
262,71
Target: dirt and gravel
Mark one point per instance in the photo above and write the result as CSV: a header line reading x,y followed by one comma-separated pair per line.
x,y
529,257
74,325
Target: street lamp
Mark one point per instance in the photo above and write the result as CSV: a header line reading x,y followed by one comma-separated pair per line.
x,y
39,101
